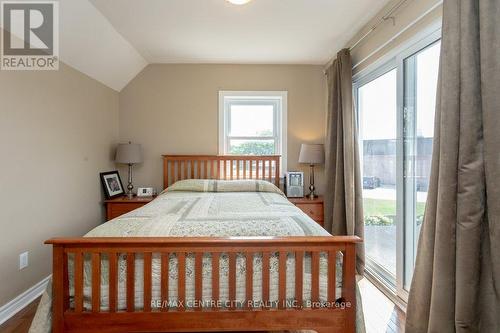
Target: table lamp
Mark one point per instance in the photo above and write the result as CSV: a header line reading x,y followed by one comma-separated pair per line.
x,y
312,154
129,153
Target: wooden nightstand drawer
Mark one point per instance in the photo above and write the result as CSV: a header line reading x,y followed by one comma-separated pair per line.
x,y
313,208
120,209
315,211
119,206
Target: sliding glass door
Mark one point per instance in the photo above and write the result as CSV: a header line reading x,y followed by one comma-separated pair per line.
x,y
420,87
395,106
377,107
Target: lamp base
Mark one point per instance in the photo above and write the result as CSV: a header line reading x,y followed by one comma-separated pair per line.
x,y
130,186
311,196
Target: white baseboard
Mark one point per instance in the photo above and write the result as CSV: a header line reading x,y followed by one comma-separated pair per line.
x,y
23,300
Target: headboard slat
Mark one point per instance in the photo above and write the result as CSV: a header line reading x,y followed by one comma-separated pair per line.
x,y
178,167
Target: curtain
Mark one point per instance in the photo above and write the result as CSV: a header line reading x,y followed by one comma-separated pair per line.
x,y
343,205
456,283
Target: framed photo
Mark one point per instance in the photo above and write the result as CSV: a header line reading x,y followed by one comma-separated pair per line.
x,y
112,184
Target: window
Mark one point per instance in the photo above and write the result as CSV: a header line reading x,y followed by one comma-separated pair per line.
x,y
377,105
253,123
395,105
419,100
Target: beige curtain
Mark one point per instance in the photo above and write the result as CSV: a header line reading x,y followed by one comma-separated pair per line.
x,y
343,205
456,284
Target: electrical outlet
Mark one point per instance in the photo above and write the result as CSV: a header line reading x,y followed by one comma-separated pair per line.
x,y
23,260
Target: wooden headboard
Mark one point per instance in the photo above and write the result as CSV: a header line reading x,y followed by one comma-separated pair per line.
x,y
178,167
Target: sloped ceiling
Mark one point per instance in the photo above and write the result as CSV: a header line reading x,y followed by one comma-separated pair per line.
x,y
89,43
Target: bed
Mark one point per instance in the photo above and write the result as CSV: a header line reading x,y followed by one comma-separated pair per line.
x,y
221,249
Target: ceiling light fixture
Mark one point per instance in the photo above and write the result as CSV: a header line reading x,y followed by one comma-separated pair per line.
x,y
238,2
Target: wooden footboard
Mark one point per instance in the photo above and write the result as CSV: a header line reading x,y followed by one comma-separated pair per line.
x,y
70,314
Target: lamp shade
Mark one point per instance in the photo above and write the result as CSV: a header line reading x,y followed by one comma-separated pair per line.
x,y
312,154
128,153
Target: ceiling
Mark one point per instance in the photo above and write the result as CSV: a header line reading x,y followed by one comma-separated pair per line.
x,y
113,40
215,31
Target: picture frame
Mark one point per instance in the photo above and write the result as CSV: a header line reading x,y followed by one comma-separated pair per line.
x,y
112,184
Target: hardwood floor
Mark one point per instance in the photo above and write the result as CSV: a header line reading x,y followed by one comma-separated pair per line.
x,y
21,322
381,315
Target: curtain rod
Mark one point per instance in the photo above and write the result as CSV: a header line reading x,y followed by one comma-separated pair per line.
x,y
384,18
387,16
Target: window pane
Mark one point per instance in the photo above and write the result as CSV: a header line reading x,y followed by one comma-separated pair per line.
x,y
252,147
251,120
377,105
421,75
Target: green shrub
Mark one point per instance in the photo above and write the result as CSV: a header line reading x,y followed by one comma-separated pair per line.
x,y
378,220
420,219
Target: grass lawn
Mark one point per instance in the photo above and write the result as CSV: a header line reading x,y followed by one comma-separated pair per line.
x,y
385,207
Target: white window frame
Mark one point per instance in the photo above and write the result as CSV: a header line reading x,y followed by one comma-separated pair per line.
x,y
279,100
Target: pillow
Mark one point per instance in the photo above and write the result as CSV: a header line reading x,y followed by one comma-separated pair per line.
x,y
210,185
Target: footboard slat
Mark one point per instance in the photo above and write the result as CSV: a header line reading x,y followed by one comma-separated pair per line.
x,y
65,278
78,282
315,277
282,280
265,278
232,280
147,281
271,255
181,286
198,270
299,277
215,277
332,283
113,281
96,282
130,282
249,279
164,281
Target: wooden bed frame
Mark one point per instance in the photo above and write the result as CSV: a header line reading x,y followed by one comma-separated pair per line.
x,y
74,317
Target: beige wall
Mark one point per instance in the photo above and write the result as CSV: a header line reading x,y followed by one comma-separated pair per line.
x,y
57,129
410,19
174,109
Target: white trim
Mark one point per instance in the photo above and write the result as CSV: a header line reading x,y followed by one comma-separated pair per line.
x,y
398,301
400,32
432,29
8,310
282,96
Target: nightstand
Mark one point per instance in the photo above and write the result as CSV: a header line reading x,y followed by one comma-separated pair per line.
x,y
121,205
312,207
